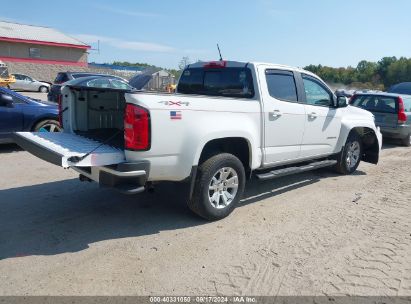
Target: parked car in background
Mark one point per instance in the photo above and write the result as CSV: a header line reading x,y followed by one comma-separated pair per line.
x,y
27,83
401,88
392,113
63,77
101,82
344,92
20,113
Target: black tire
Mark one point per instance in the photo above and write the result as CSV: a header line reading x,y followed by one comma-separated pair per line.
x,y
406,141
343,166
49,125
43,89
200,203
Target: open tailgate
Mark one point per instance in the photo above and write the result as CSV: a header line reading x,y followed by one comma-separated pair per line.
x,y
57,148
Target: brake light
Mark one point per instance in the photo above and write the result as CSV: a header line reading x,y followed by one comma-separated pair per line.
x,y
402,117
215,64
59,100
137,128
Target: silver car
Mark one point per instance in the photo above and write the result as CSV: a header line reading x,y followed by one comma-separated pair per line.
x,y
26,83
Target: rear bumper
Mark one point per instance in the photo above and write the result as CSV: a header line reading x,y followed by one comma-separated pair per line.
x,y
399,132
128,178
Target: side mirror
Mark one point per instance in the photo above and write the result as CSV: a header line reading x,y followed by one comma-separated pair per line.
x,y
5,100
340,102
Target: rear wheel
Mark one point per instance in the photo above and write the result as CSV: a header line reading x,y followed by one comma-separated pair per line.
x,y
350,157
219,186
48,126
43,89
407,141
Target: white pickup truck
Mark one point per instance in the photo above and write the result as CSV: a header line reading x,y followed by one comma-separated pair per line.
x,y
228,121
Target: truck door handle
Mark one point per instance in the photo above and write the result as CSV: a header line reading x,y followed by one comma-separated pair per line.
x,y
312,115
276,113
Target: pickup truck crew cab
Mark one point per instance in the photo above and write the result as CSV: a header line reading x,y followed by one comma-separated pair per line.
x,y
227,121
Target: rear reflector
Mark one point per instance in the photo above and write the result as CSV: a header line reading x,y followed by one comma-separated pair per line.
x,y
402,117
137,128
215,64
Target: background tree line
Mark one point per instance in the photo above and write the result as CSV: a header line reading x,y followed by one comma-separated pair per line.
x,y
367,75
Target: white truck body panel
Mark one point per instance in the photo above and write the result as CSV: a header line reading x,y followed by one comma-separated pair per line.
x,y
202,119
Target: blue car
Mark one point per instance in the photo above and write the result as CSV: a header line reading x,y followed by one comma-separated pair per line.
x,y
21,113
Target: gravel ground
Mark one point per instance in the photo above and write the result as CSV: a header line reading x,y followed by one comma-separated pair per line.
x,y
312,234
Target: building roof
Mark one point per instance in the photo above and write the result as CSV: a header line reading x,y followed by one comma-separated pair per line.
x,y
24,33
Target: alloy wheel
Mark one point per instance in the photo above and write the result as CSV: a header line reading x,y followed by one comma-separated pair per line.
x,y
223,188
353,154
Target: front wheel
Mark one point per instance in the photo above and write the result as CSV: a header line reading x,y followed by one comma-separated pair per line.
x,y
48,126
219,187
350,157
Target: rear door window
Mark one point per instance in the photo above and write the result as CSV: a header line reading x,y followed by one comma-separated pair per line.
x,y
281,85
228,82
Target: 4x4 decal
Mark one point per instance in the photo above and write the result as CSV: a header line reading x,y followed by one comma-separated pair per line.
x,y
175,103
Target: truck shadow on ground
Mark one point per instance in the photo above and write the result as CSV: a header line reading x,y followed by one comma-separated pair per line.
x,y
9,148
67,216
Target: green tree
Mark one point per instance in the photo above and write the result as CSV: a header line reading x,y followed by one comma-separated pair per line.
x,y
383,66
398,71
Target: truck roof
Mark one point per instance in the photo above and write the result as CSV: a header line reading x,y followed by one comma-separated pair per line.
x,y
235,64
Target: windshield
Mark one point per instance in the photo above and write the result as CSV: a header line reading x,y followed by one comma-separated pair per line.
x,y
100,83
75,76
228,82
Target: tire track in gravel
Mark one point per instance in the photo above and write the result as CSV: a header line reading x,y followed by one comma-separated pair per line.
x,y
360,250
381,264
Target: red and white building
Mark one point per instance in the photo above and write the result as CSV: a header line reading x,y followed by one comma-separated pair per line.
x,y
39,51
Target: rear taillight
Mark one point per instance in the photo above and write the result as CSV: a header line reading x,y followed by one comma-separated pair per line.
x,y
402,117
137,128
59,100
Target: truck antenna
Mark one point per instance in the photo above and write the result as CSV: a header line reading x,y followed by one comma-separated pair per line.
x,y
219,52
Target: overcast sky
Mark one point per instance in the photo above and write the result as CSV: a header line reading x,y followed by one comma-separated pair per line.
x,y
161,32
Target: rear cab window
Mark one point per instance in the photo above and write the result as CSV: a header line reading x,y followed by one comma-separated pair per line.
x,y
226,82
375,103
